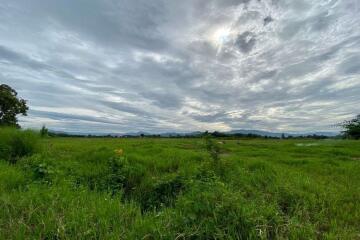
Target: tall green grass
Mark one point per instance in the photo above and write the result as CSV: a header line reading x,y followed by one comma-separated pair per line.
x,y
179,189
15,144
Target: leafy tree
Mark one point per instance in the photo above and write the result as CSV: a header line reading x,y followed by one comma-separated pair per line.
x,y
10,106
352,128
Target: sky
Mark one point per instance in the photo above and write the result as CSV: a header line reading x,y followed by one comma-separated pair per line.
x,y
119,66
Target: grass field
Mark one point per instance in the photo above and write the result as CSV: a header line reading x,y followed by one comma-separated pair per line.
x,y
78,188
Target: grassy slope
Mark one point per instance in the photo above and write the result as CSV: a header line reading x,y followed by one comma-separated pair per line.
x,y
170,188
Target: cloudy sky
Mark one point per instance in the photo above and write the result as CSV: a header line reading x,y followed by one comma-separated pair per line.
x,y
169,65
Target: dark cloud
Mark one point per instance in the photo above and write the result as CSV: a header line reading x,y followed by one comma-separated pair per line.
x,y
123,107
291,29
71,117
231,3
246,41
268,20
265,75
216,117
163,99
322,21
13,57
105,22
350,66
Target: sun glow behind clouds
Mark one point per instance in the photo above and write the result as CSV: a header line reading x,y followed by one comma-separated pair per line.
x,y
220,37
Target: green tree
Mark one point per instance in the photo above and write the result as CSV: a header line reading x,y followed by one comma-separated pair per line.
x,y
10,106
44,132
352,128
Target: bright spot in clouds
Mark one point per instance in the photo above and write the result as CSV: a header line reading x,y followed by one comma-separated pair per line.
x,y
221,36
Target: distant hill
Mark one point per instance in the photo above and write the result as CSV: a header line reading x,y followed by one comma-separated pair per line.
x,y
197,133
234,132
278,135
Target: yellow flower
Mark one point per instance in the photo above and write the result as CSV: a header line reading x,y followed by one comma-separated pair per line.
x,y
119,152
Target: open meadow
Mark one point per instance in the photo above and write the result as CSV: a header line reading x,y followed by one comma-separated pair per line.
x,y
142,188
180,120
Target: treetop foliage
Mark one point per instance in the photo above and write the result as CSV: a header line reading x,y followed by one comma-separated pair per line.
x,y
352,128
10,106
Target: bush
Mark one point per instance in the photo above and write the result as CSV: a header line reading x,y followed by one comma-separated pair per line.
x,y
44,132
40,168
124,176
15,144
211,211
103,170
212,148
161,193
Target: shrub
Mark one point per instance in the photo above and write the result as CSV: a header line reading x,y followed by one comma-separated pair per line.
x,y
40,167
212,148
103,170
15,144
44,132
123,176
210,211
162,193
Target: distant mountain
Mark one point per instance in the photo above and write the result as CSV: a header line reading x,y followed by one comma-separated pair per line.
x,y
242,131
197,133
277,134
166,134
328,134
256,132
133,134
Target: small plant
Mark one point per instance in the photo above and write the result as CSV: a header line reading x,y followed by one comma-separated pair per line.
x,y
123,176
42,171
44,132
115,179
40,167
212,148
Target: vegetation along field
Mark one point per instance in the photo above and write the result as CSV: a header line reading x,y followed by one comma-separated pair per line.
x,y
143,188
